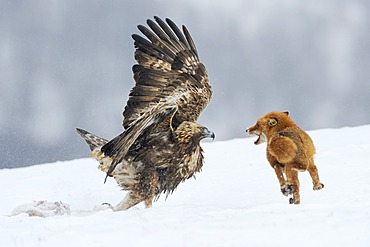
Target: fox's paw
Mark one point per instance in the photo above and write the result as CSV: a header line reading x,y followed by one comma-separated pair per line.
x,y
287,189
318,186
293,200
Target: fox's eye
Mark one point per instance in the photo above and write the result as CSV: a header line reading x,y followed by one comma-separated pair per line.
x,y
273,122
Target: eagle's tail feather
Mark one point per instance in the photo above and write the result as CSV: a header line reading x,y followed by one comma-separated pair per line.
x,y
95,143
92,140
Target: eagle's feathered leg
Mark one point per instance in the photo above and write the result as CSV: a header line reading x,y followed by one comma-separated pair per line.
x,y
130,200
153,186
142,194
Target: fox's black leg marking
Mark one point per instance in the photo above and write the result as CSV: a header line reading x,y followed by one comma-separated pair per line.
x,y
287,190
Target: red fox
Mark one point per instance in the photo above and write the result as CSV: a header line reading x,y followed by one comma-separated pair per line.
x,y
289,150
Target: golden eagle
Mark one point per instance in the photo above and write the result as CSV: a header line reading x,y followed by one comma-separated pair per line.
x,y
159,147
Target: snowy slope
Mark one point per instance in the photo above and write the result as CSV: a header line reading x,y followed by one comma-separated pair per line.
x,y
235,201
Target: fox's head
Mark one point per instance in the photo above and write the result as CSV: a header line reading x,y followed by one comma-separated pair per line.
x,y
270,123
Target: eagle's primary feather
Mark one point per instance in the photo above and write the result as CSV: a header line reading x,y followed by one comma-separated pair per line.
x,y
159,147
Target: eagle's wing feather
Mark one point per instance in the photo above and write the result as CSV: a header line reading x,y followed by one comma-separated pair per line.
x,y
151,88
190,40
167,62
169,32
118,147
178,33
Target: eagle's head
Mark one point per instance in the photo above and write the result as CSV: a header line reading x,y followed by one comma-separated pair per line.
x,y
192,132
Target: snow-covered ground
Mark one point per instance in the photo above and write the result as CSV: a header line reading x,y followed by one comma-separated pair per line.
x,y
235,201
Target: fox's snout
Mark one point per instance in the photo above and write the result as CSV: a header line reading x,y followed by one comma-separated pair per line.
x,y
252,130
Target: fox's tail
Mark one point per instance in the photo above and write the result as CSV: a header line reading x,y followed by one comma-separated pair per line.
x,y
92,140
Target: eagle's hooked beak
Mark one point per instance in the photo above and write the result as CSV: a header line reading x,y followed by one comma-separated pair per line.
x,y
208,134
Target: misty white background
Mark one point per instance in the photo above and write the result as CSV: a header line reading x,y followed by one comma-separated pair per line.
x,y
67,64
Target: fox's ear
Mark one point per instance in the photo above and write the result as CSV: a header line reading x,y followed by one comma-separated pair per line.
x,y
273,122
286,112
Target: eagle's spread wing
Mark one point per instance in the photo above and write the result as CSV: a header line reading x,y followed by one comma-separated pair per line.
x,y
170,80
168,69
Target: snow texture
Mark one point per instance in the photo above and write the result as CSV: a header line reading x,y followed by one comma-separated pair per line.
x,y
235,201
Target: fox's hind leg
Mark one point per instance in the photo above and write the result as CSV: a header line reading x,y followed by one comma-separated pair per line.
x,y
312,169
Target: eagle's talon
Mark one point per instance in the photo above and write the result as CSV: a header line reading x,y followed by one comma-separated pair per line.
x,y
108,205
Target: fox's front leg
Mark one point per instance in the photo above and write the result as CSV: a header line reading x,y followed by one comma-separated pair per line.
x,y
279,171
292,184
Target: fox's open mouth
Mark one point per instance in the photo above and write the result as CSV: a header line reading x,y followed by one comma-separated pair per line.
x,y
261,138
258,140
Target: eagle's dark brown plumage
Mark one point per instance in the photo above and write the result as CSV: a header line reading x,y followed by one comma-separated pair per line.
x,y
159,147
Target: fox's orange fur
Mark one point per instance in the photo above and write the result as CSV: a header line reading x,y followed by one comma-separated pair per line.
x,y
289,150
